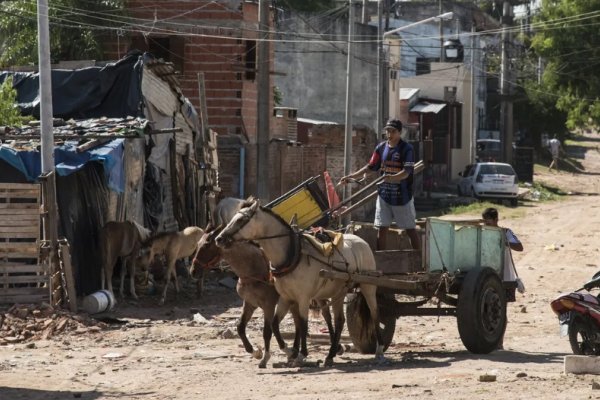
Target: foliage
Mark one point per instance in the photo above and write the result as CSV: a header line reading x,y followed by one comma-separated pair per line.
x,y
75,29
9,112
568,40
277,96
541,192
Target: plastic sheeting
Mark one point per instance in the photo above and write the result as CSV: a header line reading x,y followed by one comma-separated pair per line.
x,y
68,161
110,91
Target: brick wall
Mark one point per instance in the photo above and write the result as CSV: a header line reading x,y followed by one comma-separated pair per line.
x,y
217,36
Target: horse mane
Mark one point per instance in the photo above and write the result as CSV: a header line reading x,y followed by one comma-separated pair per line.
x,y
274,214
145,233
248,202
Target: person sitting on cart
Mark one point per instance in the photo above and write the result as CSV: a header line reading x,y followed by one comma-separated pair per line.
x,y
394,160
490,218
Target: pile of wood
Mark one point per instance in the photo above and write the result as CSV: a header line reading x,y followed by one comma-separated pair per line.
x,y
30,322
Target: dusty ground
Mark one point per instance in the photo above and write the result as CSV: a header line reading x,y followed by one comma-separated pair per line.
x,y
160,353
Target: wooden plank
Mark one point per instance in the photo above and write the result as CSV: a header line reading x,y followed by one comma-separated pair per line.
x,y
19,185
9,268
18,246
19,229
20,235
19,206
25,291
11,254
19,194
23,299
8,279
11,219
373,280
19,221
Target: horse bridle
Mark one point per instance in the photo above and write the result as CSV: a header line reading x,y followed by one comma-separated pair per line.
x,y
213,261
293,256
246,217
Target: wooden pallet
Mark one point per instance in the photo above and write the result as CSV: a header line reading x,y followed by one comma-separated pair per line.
x,y
23,277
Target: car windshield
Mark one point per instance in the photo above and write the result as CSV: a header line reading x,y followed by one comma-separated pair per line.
x,y
497,169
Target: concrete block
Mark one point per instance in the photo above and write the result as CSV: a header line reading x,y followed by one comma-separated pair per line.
x,y
582,365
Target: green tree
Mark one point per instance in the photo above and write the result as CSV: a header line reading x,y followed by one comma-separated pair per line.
x,y
76,27
9,112
568,39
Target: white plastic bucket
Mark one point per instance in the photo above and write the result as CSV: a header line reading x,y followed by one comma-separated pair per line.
x,y
100,301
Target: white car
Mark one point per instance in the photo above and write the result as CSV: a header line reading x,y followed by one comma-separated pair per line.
x,y
489,180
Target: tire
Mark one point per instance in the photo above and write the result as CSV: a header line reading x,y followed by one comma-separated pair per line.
x,y
581,337
514,202
458,191
481,311
359,327
473,195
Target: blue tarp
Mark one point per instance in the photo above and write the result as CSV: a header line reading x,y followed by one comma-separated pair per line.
x,y
68,161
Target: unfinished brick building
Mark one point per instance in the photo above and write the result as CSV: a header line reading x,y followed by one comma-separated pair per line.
x,y
218,39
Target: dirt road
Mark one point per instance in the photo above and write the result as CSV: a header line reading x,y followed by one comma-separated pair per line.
x,y
162,354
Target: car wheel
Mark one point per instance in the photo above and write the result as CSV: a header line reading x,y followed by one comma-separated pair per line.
x,y
458,190
514,202
473,195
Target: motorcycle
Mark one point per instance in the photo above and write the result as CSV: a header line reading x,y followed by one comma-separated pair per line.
x,y
579,318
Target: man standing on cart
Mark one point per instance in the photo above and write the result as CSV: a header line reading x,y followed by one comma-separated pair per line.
x,y
394,160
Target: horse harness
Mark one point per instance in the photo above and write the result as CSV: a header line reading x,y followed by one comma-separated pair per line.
x,y
294,253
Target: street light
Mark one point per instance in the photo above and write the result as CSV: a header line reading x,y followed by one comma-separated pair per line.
x,y
445,16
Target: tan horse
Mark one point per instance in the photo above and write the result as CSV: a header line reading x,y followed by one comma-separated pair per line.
x,y
297,265
121,239
173,245
251,266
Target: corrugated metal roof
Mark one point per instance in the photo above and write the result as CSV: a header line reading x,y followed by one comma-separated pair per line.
x,y
316,121
408,93
428,107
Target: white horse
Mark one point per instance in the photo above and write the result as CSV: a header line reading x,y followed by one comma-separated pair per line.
x,y
296,266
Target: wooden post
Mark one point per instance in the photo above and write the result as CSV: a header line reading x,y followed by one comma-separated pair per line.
x,y
67,268
203,108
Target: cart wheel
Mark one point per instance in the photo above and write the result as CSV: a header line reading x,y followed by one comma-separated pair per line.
x,y
359,327
481,311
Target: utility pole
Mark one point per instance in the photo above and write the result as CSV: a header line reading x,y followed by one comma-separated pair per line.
x,y
474,116
45,76
381,70
506,106
263,96
348,131
441,26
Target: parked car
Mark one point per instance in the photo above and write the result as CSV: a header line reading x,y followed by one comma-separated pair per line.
x,y
489,180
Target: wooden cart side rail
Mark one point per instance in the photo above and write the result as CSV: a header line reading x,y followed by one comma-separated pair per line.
x,y
373,280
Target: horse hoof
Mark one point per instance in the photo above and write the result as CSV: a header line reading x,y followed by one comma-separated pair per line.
x,y
265,360
328,362
380,359
289,352
258,354
299,361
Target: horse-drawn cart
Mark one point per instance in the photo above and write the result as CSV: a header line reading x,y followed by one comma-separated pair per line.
x,y
458,273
